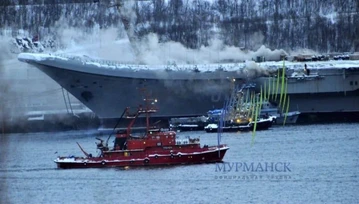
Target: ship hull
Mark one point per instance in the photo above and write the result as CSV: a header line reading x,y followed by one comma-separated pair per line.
x,y
207,156
108,91
330,90
324,102
288,120
261,125
108,96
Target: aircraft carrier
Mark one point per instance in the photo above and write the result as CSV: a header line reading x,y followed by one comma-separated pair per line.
x,y
108,87
328,92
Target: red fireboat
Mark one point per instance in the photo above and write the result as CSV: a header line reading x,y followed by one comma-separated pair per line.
x,y
155,146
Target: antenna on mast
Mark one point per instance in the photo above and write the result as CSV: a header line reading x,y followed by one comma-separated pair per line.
x,y
149,106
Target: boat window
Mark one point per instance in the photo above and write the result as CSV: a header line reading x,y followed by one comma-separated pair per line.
x,y
120,143
356,83
351,83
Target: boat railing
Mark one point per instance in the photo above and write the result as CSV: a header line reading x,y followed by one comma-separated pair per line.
x,y
302,76
194,140
187,141
215,67
182,141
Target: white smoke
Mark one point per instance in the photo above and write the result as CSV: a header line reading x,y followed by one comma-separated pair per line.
x,y
256,40
128,13
9,96
253,69
153,52
303,51
98,43
108,44
331,15
23,85
121,44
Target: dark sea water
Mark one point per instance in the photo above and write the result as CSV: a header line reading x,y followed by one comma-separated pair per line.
x,y
321,164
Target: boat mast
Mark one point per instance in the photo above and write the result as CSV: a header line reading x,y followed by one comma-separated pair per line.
x,y
133,121
148,108
147,116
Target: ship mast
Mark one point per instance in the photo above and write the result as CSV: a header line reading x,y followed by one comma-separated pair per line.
x,y
147,115
148,107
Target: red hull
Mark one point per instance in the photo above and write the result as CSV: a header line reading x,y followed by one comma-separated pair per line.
x,y
202,155
154,147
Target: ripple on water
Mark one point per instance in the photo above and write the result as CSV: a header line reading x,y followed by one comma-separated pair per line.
x,y
323,160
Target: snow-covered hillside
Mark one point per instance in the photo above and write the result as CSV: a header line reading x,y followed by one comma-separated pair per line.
x,y
319,25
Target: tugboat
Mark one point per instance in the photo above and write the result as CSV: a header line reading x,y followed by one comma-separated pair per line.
x,y
262,124
155,146
239,114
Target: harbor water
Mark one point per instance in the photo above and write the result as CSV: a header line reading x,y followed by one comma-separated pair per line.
x,y
290,164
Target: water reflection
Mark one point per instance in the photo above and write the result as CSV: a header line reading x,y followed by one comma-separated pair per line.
x,y
3,175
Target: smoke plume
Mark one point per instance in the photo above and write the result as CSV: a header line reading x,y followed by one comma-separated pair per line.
x,y
6,93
